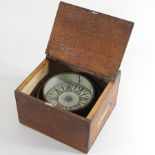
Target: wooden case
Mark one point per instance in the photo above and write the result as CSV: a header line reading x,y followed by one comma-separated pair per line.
x,y
83,41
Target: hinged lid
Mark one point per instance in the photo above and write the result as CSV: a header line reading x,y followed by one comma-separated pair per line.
x,y
91,40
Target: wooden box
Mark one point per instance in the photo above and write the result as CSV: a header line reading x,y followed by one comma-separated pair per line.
x,y
81,41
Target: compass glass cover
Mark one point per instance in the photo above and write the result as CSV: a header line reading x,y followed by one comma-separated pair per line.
x,y
68,91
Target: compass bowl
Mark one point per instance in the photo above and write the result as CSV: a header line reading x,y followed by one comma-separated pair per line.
x,y
68,91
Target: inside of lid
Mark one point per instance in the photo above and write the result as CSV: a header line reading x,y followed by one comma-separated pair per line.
x,y
33,84
91,40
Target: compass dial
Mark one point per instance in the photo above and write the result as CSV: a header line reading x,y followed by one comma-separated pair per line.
x,y
68,92
69,96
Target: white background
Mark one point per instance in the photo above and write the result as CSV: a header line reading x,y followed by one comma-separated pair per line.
x,y
25,26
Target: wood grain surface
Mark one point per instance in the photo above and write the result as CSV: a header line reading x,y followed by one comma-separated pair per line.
x,y
91,40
